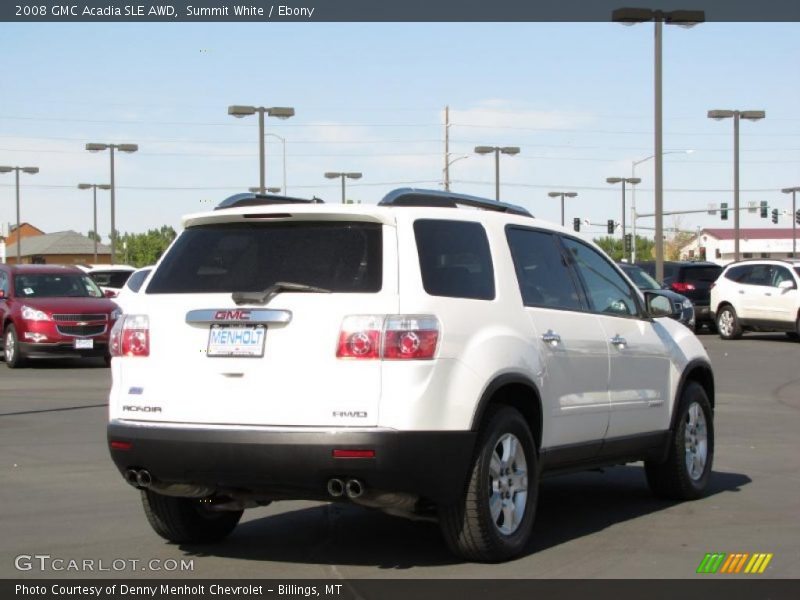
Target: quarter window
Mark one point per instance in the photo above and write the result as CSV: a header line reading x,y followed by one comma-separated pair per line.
x,y
454,259
608,292
542,274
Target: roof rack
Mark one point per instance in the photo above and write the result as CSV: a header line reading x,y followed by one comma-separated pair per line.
x,y
251,199
415,197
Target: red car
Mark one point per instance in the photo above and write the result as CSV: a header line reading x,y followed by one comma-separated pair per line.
x,y
52,311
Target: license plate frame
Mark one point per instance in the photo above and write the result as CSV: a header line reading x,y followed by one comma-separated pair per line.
x,y
83,344
216,349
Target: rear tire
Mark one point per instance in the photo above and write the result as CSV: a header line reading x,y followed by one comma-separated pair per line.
x,y
186,520
493,520
685,473
11,350
728,323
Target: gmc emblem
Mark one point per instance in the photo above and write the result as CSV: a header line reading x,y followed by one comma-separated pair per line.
x,y
232,315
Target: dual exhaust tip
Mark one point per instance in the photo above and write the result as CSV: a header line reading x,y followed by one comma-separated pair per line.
x,y
139,478
352,488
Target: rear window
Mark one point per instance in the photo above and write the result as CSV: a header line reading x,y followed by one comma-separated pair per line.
x,y
701,274
339,256
111,279
454,259
55,285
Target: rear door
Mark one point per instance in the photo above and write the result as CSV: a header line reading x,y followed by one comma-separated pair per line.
x,y
570,340
262,363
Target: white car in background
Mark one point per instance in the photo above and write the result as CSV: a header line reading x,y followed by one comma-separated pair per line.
x,y
133,286
110,278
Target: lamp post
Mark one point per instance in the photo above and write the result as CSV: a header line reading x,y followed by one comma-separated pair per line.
x,y
736,115
498,150
93,187
793,191
281,112
29,171
623,181
343,176
283,143
562,194
634,163
446,170
129,148
684,18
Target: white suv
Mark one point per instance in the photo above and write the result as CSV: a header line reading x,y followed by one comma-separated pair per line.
x,y
757,295
432,356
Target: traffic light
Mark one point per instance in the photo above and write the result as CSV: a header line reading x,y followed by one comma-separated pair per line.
x,y
576,224
628,242
763,209
611,226
797,216
723,211
775,215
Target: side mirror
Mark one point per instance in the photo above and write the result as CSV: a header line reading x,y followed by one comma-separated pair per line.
x,y
784,285
660,306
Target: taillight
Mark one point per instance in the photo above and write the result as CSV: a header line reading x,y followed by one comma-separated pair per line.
x,y
410,336
360,337
681,287
389,337
130,336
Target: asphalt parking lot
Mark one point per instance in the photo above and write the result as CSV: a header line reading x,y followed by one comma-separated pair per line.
x,y
61,496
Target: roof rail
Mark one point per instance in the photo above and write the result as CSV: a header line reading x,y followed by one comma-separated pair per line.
x,y
251,199
416,197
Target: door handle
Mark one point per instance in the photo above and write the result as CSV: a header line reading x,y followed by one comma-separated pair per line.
x,y
551,338
619,341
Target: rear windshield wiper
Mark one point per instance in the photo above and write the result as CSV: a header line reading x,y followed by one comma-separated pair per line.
x,y
276,288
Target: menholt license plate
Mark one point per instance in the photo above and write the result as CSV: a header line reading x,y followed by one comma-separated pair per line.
x,y
236,340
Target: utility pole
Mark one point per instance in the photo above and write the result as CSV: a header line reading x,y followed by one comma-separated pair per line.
x,y
447,148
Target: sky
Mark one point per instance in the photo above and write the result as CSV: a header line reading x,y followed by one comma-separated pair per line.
x,y
370,97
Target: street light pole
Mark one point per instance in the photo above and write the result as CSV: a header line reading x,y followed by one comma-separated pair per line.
x,y
793,191
497,150
562,194
343,176
93,187
685,18
130,148
281,112
750,115
29,171
283,142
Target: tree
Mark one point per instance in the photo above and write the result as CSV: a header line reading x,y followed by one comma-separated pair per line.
x,y
614,247
93,235
142,249
676,240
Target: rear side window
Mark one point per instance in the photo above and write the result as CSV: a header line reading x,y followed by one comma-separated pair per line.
x,y
543,277
454,259
339,256
738,274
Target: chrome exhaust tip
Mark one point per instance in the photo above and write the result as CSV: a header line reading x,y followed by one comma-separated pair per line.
x,y
132,476
335,488
144,479
354,488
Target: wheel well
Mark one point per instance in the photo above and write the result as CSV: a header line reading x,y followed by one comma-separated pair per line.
x,y
524,398
703,375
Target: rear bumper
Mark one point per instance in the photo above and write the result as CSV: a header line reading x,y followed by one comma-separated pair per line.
x,y
298,465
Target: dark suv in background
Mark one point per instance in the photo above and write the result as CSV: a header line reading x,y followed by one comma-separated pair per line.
x,y
692,279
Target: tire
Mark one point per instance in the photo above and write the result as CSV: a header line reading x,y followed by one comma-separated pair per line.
x,y
728,325
185,520
469,527
685,473
11,352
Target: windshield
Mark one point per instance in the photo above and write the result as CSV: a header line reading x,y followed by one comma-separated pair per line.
x,y
339,256
641,279
56,285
